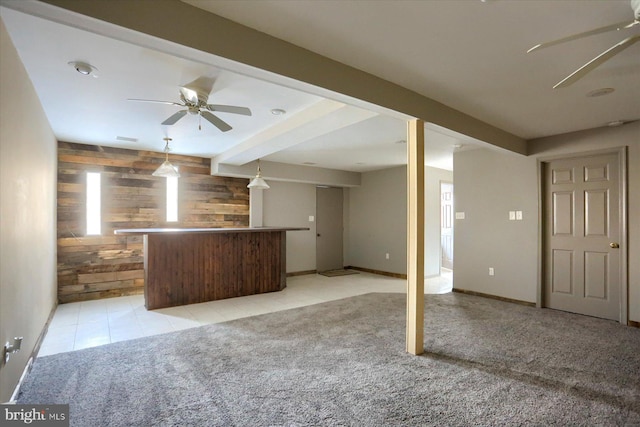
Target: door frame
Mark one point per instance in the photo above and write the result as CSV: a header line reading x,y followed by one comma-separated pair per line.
x,y
442,181
621,152
319,220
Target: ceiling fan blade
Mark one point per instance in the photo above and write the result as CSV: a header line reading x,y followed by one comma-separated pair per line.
x,y
618,26
229,109
598,60
157,102
175,117
217,122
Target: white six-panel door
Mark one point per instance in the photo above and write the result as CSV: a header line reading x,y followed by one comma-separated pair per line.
x,y
582,235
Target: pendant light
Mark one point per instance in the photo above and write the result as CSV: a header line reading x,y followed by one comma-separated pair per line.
x,y
258,182
166,169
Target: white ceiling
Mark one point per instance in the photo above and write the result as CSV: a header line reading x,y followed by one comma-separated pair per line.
x,y
470,55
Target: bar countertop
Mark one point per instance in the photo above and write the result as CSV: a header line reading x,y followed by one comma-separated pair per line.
x,y
133,231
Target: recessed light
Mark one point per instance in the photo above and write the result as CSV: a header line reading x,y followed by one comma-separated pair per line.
x,y
600,92
278,112
457,146
615,123
84,68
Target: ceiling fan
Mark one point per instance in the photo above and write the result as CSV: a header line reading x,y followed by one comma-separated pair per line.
x,y
194,97
604,56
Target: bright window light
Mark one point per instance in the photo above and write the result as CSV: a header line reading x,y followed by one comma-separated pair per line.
x,y
93,203
172,199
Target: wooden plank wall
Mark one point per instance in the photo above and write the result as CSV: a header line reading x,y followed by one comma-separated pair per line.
x,y
92,267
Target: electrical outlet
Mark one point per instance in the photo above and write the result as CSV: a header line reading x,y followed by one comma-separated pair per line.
x,y
512,215
519,215
491,271
386,256
311,218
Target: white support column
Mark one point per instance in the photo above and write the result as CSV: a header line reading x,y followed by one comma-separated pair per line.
x,y
415,237
255,207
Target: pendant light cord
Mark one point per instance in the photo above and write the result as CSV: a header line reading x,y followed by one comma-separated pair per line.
x,y
166,148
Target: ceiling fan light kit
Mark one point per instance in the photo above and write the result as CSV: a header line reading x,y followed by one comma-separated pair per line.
x,y
258,182
166,169
604,56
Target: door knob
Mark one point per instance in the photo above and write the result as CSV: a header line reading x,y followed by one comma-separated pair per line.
x,y
614,245
318,235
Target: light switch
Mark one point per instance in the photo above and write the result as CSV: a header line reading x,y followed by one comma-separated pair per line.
x,y
512,215
311,218
459,215
519,215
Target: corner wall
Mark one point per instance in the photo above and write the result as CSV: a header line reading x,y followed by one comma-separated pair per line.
x,y
489,184
377,222
27,212
290,204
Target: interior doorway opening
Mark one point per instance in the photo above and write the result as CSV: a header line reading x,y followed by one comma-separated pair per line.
x,y
443,283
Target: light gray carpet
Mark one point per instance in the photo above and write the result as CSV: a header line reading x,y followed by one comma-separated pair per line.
x,y
488,363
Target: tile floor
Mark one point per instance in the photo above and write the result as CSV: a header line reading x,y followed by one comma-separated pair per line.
x,y
88,324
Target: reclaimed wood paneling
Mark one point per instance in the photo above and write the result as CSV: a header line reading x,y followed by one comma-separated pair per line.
x,y
92,267
188,268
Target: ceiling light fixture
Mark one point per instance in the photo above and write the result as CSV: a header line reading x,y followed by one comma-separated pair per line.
x,y
278,112
615,123
258,182
166,169
84,68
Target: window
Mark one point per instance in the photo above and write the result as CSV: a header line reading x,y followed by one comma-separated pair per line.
x,y
93,204
172,199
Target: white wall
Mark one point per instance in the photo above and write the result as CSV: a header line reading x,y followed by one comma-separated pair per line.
x,y
432,248
290,204
28,171
489,184
377,222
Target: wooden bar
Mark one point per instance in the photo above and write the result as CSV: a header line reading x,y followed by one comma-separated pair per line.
x,y
193,265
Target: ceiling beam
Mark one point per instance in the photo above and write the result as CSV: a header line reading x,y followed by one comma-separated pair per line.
x,y
323,117
274,171
195,28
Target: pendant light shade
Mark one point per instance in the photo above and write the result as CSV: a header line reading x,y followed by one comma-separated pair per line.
x,y
258,182
166,169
